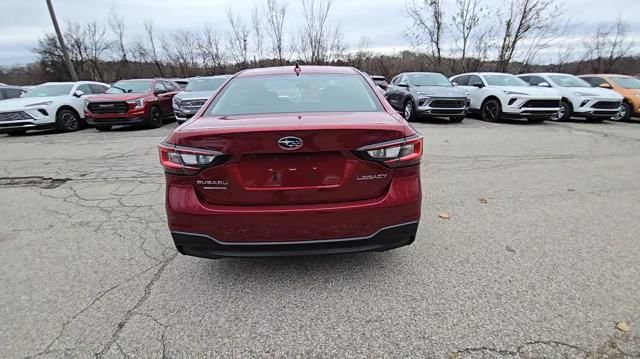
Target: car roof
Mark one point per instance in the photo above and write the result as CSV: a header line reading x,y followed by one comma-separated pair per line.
x,y
607,75
544,74
155,79
422,72
70,83
305,69
210,77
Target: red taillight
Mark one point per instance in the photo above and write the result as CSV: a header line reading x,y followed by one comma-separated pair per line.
x,y
187,161
398,153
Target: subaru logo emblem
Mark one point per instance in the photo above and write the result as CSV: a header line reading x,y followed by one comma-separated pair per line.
x,y
290,143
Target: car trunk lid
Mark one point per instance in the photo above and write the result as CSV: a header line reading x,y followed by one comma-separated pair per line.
x,y
262,170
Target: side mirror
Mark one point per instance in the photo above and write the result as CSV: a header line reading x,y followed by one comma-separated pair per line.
x,y
478,85
78,93
454,83
403,84
605,85
544,84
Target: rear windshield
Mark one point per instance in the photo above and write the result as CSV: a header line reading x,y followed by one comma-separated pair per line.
x,y
295,94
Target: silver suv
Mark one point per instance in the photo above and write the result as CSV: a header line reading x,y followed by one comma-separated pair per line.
x,y
194,95
427,94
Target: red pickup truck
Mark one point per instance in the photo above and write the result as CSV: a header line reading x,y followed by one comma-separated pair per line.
x,y
130,102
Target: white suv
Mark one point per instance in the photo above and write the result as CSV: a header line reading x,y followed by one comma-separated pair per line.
x,y
497,96
52,105
579,99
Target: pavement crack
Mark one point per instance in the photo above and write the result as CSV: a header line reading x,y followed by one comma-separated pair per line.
x,y
33,181
47,349
132,311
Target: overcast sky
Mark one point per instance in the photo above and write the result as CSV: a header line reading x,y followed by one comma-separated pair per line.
x,y
23,22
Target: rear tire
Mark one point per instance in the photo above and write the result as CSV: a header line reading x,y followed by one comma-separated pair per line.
x,y
408,111
625,113
67,120
456,119
491,111
154,120
103,128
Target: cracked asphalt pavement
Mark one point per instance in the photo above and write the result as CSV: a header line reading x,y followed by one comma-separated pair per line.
x,y
540,257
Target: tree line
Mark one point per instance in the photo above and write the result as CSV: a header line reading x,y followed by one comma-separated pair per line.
x,y
448,36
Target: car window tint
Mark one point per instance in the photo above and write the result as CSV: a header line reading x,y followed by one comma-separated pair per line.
x,y
295,94
474,79
97,89
462,80
160,86
85,89
535,80
13,93
595,81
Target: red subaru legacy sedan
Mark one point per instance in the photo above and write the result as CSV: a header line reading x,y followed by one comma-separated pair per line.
x,y
293,161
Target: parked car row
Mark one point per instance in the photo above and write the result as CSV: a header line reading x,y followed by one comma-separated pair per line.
x,y
495,96
68,106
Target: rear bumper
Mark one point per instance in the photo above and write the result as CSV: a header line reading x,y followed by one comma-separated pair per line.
x,y
361,223
207,247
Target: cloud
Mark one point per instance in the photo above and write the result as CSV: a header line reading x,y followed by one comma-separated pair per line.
x,y
382,21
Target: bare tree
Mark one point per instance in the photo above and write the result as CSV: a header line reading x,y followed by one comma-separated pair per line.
x,y
544,39
362,54
316,44
609,45
337,45
97,47
117,26
238,39
148,28
211,50
564,54
275,11
182,50
466,21
258,35
523,19
428,27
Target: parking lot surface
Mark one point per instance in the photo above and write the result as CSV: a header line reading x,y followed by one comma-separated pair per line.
x,y
540,256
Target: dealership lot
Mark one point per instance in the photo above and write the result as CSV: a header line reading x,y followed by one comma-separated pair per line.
x,y
540,256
